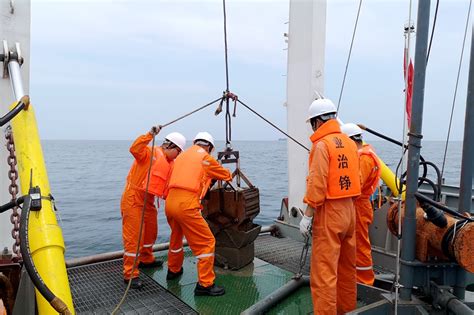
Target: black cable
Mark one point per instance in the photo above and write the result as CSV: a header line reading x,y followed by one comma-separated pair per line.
x,y
25,253
272,124
11,204
400,188
12,113
423,162
433,186
35,277
192,112
225,48
456,89
438,175
349,56
378,134
432,31
435,204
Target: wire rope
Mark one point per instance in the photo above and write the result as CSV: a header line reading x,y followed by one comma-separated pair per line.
x,y
456,89
349,56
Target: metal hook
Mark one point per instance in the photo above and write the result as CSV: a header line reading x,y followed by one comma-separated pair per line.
x,y
318,95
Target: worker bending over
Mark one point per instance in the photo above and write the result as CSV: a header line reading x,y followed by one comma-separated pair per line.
x,y
190,179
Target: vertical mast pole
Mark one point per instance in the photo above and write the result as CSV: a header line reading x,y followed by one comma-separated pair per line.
x,y
465,191
305,77
414,145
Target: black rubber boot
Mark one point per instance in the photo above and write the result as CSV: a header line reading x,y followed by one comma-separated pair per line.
x,y
155,264
136,283
173,275
213,290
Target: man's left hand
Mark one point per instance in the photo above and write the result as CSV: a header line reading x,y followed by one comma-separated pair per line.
x,y
305,225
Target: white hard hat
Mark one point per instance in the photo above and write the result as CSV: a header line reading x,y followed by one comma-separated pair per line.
x,y
206,136
351,129
319,107
176,138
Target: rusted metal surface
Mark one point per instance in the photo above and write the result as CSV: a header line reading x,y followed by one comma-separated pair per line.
x,y
227,208
230,216
238,238
450,243
9,280
230,211
234,258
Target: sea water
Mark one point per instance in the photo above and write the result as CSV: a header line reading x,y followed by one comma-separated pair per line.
x,y
88,177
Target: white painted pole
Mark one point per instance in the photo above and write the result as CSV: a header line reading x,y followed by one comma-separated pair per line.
x,y
14,27
306,49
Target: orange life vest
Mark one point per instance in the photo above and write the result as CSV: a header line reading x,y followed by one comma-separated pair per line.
x,y
343,175
159,173
373,179
188,172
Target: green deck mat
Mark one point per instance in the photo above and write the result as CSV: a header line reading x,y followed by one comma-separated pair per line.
x,y
243,288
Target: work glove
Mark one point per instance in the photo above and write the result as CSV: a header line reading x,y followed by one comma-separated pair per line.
x,y
305,225
155,130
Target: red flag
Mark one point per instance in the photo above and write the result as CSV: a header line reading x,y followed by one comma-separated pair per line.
x,y
409,85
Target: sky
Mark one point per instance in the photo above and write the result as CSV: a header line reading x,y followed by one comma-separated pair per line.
x,y
109,70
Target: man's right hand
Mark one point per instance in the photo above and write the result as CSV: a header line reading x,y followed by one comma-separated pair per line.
x,y
155,130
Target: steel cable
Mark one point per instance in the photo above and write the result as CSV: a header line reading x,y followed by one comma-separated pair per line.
x,y
432,31
272,124
456,89
190,113
349,56
135,261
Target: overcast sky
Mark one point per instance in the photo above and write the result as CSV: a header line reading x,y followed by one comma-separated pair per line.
x,y
111,69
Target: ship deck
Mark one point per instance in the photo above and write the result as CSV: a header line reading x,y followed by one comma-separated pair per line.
x,y
97,288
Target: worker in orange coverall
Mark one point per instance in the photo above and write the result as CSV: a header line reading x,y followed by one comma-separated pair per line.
x,y
190,179
134,197
370,177
332,183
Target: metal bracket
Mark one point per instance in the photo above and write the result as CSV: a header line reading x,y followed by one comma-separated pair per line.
x,y
5,57
12,7
19,56
409,27
8,55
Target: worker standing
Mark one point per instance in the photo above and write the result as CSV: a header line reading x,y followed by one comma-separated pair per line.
x,y
190,179
370,177
138,191
332,183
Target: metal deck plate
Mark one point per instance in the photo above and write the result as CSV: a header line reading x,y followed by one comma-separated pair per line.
x,y
244,287
97,289
282,252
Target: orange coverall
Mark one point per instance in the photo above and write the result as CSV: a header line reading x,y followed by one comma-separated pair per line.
x,y
333,273
369,171
131,208
183,211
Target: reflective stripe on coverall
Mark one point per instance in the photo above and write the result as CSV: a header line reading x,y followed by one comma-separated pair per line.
x,y
131,207
193,169
370,176
333,273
